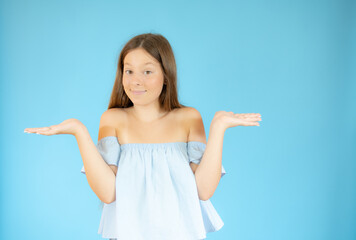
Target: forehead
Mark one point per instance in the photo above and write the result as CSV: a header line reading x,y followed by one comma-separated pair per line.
x,y
139,57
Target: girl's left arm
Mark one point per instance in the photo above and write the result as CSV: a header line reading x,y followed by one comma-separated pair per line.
x,y
208,172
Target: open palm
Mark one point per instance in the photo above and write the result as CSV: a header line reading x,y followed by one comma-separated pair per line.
x,y
230,119
69,126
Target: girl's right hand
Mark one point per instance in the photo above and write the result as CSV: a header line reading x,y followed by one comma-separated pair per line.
x,y
70,126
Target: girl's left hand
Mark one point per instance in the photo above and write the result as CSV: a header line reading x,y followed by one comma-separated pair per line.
x,y
229,119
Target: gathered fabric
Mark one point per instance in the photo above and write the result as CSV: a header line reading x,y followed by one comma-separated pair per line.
x,y
156,192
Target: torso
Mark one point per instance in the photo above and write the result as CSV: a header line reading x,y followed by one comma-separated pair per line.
x,y
172,127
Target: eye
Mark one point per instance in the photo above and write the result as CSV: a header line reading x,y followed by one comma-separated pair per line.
x,y
127,71
148,71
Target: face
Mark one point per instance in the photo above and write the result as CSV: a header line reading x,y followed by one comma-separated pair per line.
x,y
142,77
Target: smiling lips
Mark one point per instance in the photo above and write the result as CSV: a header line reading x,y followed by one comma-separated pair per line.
x,y
138,92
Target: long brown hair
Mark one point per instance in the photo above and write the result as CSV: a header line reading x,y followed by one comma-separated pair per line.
x,y
159,48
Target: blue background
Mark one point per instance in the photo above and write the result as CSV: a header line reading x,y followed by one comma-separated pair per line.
x,y
291,61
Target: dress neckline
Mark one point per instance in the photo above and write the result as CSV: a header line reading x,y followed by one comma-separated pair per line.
x,y
152,144
181,145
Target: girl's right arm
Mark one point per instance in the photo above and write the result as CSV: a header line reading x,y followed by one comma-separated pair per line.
x,y
100,176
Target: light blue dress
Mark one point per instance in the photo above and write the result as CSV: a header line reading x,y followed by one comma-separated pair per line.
x,y
156,192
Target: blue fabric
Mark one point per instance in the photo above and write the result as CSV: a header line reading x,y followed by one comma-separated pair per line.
x,y
109,149
195,153
156,193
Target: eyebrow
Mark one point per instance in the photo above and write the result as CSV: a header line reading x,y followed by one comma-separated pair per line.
x,y
144,64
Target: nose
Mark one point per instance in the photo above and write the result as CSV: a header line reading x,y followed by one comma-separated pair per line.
x,y
136,80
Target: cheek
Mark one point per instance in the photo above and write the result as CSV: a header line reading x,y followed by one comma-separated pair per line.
x,y
155,85
125,82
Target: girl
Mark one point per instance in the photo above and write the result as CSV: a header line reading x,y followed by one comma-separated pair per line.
x,y
152,166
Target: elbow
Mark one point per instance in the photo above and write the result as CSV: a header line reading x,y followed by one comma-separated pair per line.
x,y
108,199
205,192
108,202
204,197
205,189
109,196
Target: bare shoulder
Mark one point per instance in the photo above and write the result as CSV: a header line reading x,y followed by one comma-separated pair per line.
x,y
112,116
188,114
114,112
193,121
110,121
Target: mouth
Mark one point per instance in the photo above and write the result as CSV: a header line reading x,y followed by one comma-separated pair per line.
x,y
138,92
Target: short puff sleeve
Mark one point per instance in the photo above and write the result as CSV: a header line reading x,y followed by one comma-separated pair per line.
x,y
196,151
109,149
212,220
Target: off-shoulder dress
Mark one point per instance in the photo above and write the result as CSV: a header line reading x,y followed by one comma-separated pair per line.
x,y
156,192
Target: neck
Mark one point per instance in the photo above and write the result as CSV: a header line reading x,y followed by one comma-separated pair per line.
x,y
148,113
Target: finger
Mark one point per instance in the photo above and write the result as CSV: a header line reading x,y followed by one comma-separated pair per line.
x,y
254,119
255,115
252,114
241,115
28,130
249,118
47,131
42,131
35,132
252,122
33,129
249,114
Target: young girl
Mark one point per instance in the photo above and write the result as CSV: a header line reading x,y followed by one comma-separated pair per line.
x,y
152,166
